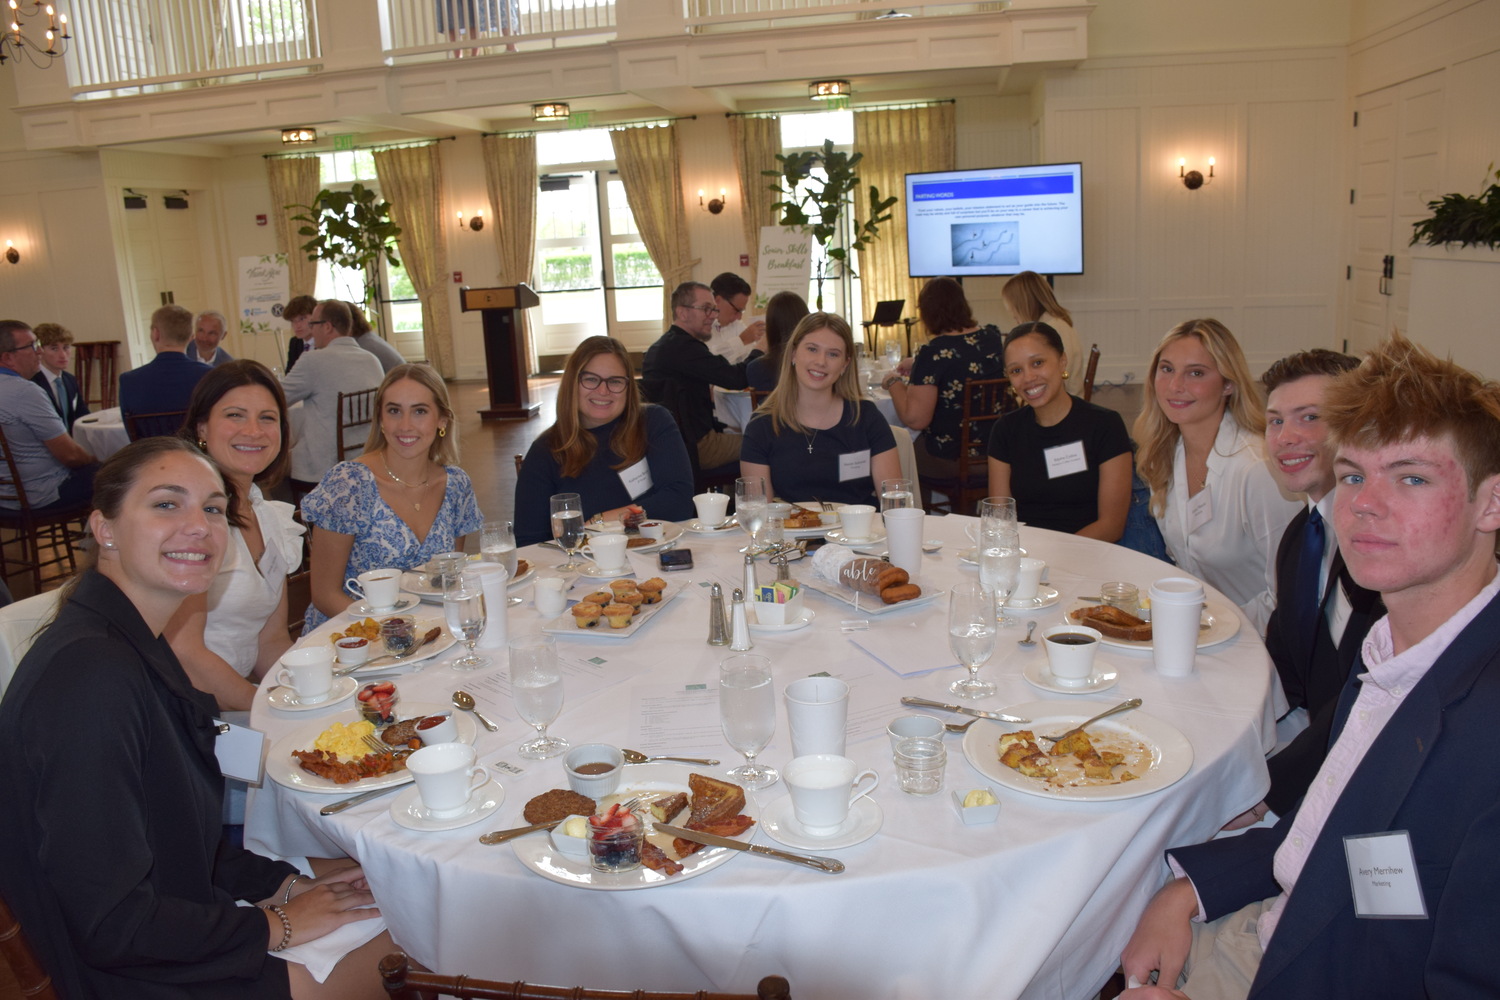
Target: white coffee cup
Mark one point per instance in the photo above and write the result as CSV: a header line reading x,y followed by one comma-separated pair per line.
x,y
817,713
584,767
712,507
1029,579
446,775
823,786
855,520
308,672
905,727
1070,653
1176,610
550,593
379,588
608,552
903,538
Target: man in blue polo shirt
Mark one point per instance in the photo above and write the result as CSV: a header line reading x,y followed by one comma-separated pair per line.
x,y
53,468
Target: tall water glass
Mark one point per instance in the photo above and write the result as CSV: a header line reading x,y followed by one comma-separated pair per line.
x,y
896,493
463,609
537,690
999,566
750,502
747,711
567,525
998,512
497,544
971,636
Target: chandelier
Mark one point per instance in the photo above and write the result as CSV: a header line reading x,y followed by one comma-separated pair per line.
x,y
15,42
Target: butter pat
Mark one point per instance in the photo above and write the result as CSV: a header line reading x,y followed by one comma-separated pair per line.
x,y
575,826
979,797
977,806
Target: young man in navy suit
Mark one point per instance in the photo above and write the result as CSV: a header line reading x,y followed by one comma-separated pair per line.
x,y
166,382
1380,882
55,345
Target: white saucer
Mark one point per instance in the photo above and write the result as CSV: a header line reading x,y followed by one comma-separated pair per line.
x,y
877,536
285,699
596,572
808,614
969,556
407,810
698,527
404,602
1045,598
1102,679
862,823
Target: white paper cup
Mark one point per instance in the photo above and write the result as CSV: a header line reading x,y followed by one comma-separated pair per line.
x,y
446,775
903,538
308,672
823,786
1029,580
594,769
856,520
1070,653
379,588
905,727
550,594
817,713
608,552
1176,610
712,508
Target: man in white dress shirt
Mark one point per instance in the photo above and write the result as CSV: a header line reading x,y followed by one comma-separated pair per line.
x,y
338,365
730,337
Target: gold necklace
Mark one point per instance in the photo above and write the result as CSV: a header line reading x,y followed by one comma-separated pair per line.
x,y
416,504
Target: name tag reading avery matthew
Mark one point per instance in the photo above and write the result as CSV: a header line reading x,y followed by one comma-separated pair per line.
x,y
854,465
637,478
1065,460
1383,876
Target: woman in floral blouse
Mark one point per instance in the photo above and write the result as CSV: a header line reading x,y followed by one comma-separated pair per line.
x,y
931,400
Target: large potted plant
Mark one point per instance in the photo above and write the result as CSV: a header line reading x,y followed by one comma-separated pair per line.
x,y
1468,220
351,229
817,204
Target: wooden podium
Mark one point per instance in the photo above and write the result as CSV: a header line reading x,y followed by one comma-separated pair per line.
x,y
504,349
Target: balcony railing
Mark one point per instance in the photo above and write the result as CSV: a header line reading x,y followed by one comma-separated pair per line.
x,y
470,27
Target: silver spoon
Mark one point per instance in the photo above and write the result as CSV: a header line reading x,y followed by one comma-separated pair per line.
x,y
636,757
465,701
1028,642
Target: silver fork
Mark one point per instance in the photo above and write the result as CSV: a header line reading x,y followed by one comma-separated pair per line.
x,y
959,727
1123,706
380,746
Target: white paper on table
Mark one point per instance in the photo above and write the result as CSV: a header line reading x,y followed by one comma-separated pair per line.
x,y
495,581
904,649
582,678
683,722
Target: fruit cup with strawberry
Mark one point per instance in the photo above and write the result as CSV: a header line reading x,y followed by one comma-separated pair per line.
x,y
615,839
377,702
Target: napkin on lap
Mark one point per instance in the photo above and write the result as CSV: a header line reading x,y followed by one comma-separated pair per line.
x,y
904,649
322,955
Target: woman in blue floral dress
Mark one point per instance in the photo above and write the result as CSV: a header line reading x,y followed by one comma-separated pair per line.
x,y
399,504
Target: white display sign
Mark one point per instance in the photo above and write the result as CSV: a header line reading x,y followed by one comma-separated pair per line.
x,y
264,289
785,263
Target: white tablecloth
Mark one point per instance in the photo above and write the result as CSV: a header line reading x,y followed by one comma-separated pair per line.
x,y
1038,904
101,433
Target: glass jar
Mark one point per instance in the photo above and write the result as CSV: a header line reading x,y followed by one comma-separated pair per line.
x,y
399,634
920,762
1118,594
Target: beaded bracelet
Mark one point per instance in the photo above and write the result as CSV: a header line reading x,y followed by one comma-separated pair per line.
x,y
286,926
287,896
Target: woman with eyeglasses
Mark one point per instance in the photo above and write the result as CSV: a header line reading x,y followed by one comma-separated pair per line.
x,y
608,446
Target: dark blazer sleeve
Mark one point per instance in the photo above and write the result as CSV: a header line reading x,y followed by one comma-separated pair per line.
x,y
80,403
1295,767
534,485
1234,871
670,497
1278,643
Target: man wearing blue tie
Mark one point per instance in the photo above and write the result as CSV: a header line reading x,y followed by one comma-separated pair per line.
x,y
55,345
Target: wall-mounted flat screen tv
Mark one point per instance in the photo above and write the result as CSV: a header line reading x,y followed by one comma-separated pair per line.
x,y
1001,220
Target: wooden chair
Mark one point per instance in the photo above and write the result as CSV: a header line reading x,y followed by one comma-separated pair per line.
x,y
145,425
758,396
46,537
519,460
97,358
985,401
356,409
1088,373
31,978
404,984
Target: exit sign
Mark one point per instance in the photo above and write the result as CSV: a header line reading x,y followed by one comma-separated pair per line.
x,y
343,143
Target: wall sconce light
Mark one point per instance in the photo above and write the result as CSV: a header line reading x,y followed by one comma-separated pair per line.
x,y
11,253
1192,179
297,136
829,90
476,223
553,111
715,205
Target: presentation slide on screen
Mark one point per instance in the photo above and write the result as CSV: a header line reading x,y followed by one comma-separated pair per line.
x,y
998,221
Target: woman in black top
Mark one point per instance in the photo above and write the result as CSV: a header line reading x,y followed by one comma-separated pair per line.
x,y
1066,462
783,313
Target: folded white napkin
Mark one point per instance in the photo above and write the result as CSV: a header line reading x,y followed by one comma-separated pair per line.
x,y
322,955
495,581
903,648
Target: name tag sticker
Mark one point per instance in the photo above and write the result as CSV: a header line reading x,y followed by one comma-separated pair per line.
x,y
854,465
1200,510
239,750
1383,876
637,478
1065,460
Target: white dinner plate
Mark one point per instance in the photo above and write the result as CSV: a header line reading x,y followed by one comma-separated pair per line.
x,y
671,531
420,583
596,572
877,537
862,823
1171,755
1223,625
409,812
1102,679
869,604
285,699
282,767
538,854
436,647
830,522
801,621
565,625
1045,597
404,602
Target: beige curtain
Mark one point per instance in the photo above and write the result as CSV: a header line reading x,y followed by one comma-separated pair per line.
x,y
295,180
652,175
896,142
411,180
756,142
510,172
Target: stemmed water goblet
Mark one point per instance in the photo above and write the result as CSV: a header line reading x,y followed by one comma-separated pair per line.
x,y
750,502
567,525
463,609
971,636
747,711
536,689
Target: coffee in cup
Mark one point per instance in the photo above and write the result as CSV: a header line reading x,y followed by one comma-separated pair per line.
x,y
1070,653
378,588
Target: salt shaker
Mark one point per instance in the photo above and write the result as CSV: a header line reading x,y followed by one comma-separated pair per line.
x,y
749,584
740,642
718,622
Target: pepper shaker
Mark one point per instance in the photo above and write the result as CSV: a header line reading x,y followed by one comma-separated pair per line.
x,y
718,622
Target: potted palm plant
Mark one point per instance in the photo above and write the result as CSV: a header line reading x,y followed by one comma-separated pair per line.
x,y
351,229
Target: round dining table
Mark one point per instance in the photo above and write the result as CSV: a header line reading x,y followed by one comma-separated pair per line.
x,y
1037,903
101,433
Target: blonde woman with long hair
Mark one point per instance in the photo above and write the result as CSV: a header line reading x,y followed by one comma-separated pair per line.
x,y
814,438
1200,435
1030,300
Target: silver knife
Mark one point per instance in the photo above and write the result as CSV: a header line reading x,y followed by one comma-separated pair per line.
x,y
355,800
924,703
830,866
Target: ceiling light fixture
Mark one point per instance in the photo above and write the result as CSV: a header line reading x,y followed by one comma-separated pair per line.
x,y
553,111
13,41
829,90
297,136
